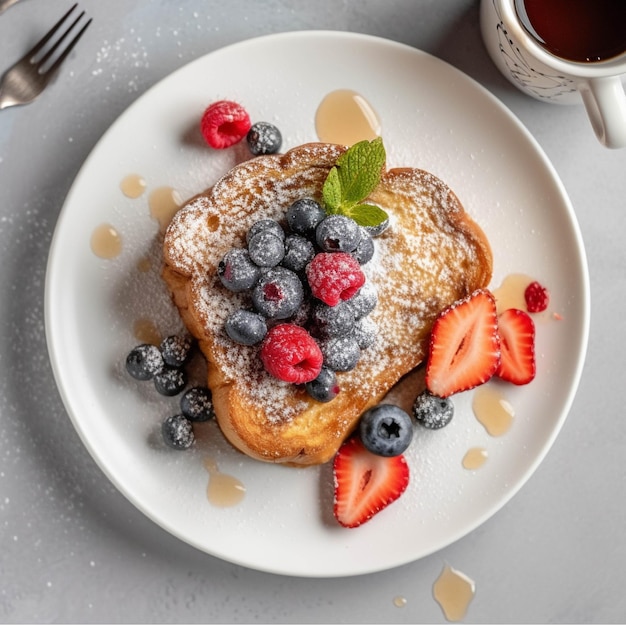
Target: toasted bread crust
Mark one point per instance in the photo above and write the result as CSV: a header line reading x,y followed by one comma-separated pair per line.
x,y
432,255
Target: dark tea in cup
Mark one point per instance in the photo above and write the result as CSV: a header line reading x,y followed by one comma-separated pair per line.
x,y
577,30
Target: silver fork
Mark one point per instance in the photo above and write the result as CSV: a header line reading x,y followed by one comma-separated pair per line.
x,y
23,82
5,4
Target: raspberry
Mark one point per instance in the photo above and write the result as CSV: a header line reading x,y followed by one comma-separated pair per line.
x,y
537,297
224,123
334,276
291,354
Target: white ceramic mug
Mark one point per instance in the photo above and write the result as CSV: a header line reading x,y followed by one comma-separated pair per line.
x,y
549,78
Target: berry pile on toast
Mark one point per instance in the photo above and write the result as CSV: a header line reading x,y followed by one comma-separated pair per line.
x,y
431,256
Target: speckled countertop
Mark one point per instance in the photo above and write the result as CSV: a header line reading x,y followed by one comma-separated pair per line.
x,y
73,549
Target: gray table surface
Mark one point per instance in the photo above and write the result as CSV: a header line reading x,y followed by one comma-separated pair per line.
x,y
73,549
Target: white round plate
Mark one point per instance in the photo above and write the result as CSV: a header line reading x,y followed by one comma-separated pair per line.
x,y
433,117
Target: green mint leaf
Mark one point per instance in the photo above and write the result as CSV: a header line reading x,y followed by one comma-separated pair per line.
x,y
359,170
331,192
354,177
368,215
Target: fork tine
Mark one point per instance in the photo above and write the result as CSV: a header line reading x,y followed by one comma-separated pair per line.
x,y
42,62
46,38
55,66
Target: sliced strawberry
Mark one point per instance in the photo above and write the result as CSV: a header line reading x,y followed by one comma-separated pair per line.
x,y
464,345
365,483
517,344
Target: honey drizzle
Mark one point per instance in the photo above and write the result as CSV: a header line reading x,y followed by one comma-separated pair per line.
x,y
144,265
510,294
133,185
453,591
493,411
145,331
345,117
164,202
223,490
106,242
475,458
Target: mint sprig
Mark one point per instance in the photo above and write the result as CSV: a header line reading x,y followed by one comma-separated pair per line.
x,y
353,178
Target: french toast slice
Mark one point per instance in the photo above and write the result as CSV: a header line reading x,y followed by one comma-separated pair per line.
x,y
432,254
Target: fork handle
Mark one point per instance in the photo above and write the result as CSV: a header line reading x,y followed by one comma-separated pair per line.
x,y
5,4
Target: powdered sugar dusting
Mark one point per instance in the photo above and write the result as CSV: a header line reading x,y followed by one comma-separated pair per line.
x,y
415,269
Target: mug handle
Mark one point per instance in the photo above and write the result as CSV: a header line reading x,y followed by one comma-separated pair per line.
x,y
605,102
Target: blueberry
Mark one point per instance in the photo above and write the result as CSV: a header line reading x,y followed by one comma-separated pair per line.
x,y
266,249
364,301
386,430
265,225
246,327
237,271
170,381
365,333
278,294
324,388
432,411
176,350
196,404
264,138
303,315
177,432
341,354
332,321
364,251
144,362
338,233
304,215
299,251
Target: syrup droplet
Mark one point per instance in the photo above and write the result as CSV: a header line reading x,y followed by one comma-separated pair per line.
x,y
493,411
133,185
144,264
145,331
164,202
453,591
223,490
345,117
510,294
399,601
475,458
106,242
